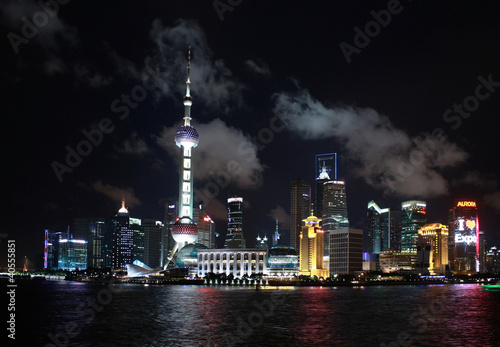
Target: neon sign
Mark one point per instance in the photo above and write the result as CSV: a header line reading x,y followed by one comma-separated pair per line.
x,y
466,204
468,239
471,224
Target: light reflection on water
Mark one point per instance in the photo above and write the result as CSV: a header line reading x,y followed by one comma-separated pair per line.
x,y
137,315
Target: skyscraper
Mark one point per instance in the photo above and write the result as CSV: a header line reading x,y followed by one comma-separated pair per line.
x,y
412,219
464,232
383,228
276,235
312,245
334,206
123,239
346,251
334,209
434,235
138,249
51,249
185,230
206,227
97,229
167,241
234,236
299,210
325,169
152,242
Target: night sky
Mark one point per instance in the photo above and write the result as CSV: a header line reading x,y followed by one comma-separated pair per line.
x,y
407,93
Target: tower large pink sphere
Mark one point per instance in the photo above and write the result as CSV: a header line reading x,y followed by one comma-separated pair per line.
x,y
184,231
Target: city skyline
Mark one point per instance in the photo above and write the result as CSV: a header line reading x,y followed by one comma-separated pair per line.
x,y
90,115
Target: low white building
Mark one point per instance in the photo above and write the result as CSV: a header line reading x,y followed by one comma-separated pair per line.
x,y
236,261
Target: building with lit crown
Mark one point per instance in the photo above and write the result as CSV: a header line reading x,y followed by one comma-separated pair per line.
x,y
122,239
413,217
383,229
72,254
435,260
464,240
185,230
325,169
234,235
312,243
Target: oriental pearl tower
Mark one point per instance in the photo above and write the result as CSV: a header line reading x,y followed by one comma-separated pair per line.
x,y
184,230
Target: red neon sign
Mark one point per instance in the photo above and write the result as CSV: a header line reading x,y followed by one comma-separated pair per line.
x,y
466,204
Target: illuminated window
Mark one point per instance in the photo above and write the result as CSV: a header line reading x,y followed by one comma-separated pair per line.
x,y
185,199
187,175
186,187
187,163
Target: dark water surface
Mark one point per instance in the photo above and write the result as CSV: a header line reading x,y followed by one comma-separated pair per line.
x,y
83,314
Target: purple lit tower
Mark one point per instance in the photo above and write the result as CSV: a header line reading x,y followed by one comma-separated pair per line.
x,y
185,230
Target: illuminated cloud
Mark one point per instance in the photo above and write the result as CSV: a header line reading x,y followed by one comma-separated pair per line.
x,y
116,193
212,82
386,157
223,153
280,214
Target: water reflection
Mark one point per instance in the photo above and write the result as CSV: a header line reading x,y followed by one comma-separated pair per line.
x,y
136,315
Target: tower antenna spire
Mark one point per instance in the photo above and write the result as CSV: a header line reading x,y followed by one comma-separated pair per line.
x,y
187,99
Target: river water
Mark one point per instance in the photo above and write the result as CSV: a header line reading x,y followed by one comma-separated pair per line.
x,y
68,313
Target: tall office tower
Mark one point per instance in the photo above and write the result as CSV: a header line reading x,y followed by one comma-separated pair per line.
x,y
234,236
123,239
276,235
346,251
492,264
334,206
72,254
185,230
464,226
152,242
312,244
138,241
434,235
482,252
206,227
395,220
80,230
97,229
334,209
300,210
383,228
412,218
325,169
167,241
51,249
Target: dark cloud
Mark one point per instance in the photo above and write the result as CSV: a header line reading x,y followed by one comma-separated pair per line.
x,y
386,157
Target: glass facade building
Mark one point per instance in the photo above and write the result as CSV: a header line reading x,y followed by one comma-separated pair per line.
x,y
413,217
299,210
